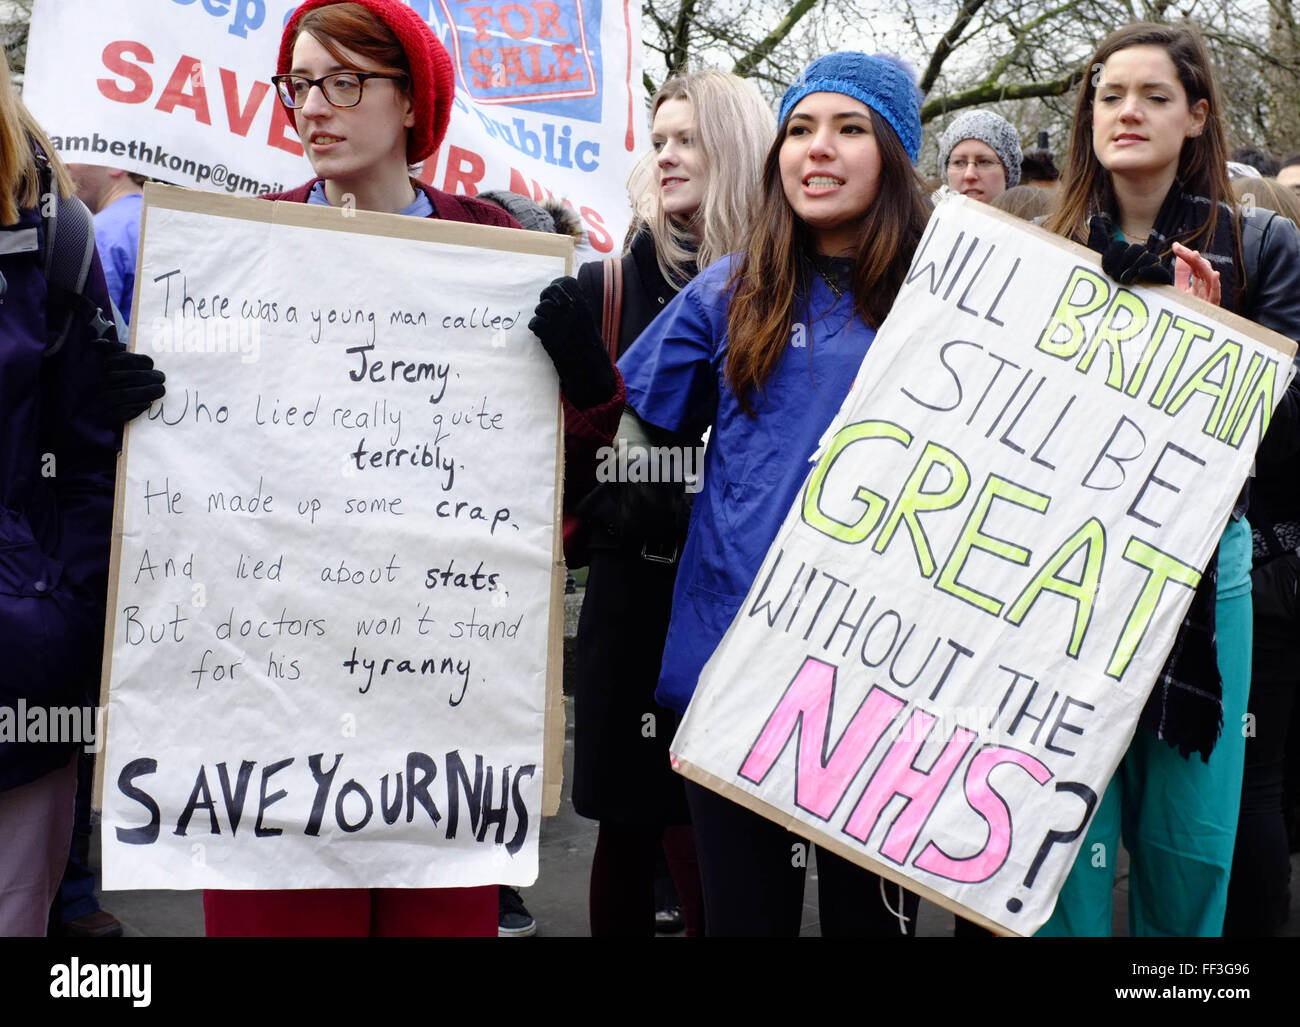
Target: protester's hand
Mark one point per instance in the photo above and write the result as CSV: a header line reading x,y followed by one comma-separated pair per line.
x,y
567,329
651,510
130,382
1194,274
1100,233
1128,263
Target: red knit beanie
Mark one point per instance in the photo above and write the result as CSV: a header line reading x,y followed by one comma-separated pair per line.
x,y
433,83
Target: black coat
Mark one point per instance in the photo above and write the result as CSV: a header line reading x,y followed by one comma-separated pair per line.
x,y
621,735
645,291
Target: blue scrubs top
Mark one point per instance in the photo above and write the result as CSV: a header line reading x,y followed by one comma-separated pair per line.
x,y
117,237
754,466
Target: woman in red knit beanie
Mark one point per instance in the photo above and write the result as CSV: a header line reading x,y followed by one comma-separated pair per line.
x,y
369,89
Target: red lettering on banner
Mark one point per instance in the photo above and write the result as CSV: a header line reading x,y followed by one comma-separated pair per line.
x,y
482,18
241,121
506,66
480,60
283,136
526,28
564,54
464,168
596,235
512,71
535,63
519,184
548,17
189,70
119,55
543,21
544,65
115,60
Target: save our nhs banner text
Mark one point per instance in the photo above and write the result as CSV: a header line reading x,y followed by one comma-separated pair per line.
x,y
548,97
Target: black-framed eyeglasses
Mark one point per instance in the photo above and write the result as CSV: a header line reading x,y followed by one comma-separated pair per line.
x,y
341,89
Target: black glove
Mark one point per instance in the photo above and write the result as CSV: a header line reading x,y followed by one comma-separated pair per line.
x,y
630,515
565,324
129,383
1125,262
652,510
1128,263
1100,233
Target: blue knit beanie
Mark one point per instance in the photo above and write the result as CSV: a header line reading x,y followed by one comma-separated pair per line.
x,y
880,81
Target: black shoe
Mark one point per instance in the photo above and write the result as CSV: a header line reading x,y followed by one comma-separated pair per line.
x,y
99,924
513,919
669,920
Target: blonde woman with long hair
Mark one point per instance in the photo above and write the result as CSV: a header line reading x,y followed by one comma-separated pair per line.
x,y
709,133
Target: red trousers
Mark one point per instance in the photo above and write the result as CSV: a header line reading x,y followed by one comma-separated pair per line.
x,y
352,913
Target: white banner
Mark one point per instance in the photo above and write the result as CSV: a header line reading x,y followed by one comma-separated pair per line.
x,y
945,653
549,99
335,559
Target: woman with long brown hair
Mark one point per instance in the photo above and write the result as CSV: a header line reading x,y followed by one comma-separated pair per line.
x,y
1147,186
762,348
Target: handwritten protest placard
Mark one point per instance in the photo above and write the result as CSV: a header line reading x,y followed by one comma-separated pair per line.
x,y
549,98
946,650
337,574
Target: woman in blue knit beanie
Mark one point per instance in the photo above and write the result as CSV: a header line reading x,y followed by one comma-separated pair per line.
x,y
761,348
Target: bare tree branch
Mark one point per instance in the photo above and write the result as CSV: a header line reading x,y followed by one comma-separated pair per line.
x,y
991,92
949,41
746,64
678,54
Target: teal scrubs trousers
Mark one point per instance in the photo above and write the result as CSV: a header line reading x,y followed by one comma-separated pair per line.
x,y
1177,817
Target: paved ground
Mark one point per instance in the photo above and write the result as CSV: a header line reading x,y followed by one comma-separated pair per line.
x,y
559,899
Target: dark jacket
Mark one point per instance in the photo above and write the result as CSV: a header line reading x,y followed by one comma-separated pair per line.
x,y
645,290
57,459
1271,297
625,515
621,771
585,431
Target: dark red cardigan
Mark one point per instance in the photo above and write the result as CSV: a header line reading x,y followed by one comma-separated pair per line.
x,y
445,205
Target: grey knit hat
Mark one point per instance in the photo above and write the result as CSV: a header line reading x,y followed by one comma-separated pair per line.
x,y
989,129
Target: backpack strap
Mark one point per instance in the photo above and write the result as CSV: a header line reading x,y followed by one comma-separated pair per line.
x,y
69,247
612,310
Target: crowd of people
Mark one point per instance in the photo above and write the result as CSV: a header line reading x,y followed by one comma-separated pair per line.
x,y
745,224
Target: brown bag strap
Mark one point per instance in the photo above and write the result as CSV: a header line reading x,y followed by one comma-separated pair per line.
x,y
612,312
